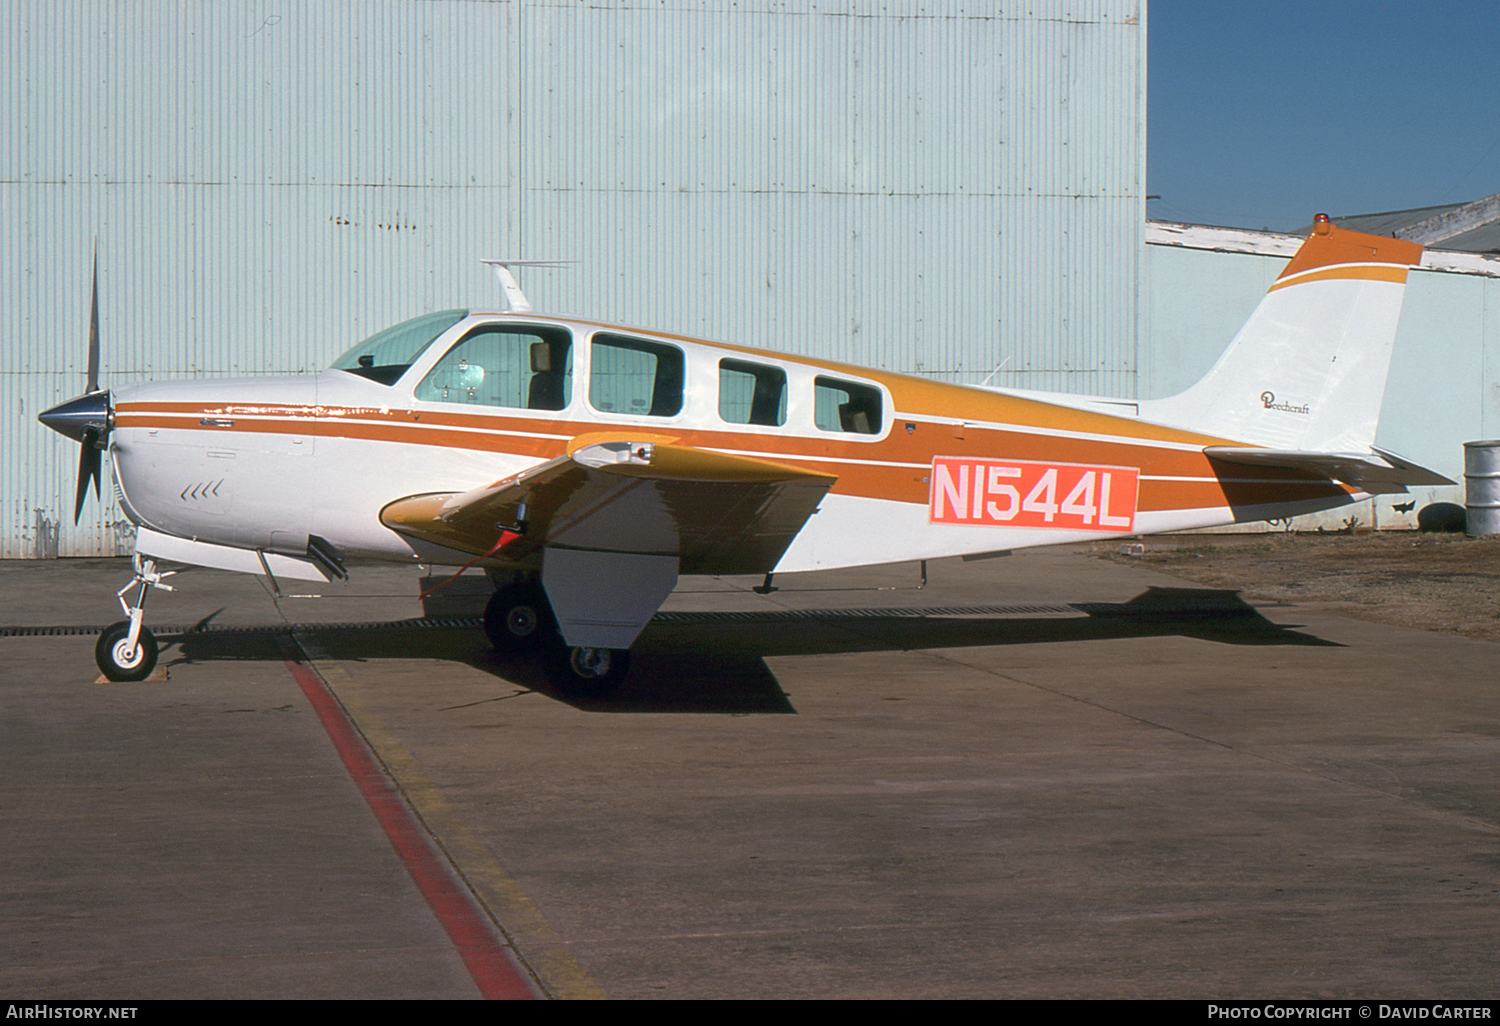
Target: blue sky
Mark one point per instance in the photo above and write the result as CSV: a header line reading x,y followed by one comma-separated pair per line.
x,y
1264,113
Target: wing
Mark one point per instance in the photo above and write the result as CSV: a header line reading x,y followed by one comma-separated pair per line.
x,y
717,513
1377,472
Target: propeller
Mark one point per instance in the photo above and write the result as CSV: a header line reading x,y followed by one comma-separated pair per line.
x,y
88,418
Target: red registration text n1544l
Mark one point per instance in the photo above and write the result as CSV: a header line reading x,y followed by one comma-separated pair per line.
x,y
1025,493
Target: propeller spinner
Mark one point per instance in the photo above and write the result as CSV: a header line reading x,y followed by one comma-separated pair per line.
x,y
88,418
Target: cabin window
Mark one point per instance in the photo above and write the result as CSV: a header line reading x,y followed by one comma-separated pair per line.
x,y
525,368
751,393
385,355
846,406
635,377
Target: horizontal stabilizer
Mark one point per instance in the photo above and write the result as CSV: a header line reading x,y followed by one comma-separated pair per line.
x,y
1375,473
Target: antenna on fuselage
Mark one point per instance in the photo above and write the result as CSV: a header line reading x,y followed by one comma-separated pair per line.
x,y
998,368
515,299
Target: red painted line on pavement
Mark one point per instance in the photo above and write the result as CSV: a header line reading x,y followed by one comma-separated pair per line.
x,y
489,962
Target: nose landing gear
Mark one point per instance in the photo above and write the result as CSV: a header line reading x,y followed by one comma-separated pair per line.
x,y
127,650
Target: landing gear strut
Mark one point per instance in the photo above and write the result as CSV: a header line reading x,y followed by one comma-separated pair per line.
x,y
127,650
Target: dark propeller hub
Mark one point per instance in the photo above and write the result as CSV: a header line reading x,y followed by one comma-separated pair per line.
x,y
86,419
75,416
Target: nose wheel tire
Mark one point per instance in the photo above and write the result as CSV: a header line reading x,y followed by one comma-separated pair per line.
x,y
518,618
588,672
118,660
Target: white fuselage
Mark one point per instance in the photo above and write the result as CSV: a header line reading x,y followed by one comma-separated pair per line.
x,y
266,463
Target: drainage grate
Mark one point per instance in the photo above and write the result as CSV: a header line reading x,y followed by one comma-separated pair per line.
x,y
166,631
32,632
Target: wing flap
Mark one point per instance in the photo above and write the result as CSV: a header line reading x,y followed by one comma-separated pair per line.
x,y
719,513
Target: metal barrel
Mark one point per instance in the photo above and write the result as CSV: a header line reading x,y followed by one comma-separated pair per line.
x,y
1482,488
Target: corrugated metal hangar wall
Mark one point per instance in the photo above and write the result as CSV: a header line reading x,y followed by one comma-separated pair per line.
x,y
930,187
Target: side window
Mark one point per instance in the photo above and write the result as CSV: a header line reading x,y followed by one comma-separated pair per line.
x,y
522,368
751,393
846,406
633,376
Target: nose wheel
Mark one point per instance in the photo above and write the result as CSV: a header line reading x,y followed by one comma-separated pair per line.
x,y
120,658
127,650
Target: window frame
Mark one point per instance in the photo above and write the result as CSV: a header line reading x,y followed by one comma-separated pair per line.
x,y
557,337
761,373
672,361
855,390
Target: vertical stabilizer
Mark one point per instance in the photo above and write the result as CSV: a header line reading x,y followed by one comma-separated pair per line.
x,y
1308,369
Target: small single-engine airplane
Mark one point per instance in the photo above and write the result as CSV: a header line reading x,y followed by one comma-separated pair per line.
x,y
587,466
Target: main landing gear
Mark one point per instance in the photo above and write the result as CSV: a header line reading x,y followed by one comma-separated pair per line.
x,y
594,672
127,650
519,621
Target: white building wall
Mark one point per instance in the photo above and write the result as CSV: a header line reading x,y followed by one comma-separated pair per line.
x,y
936,188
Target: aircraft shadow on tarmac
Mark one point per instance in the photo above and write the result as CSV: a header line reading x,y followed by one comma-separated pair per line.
x,y
716,662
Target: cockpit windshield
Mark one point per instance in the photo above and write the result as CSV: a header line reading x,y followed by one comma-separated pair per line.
x,y
385,355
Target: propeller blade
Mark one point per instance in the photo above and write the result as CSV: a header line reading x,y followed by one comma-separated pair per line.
x,y
94,325
88,467
88,418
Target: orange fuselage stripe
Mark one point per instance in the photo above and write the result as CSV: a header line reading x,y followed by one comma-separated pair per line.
x,y
896,468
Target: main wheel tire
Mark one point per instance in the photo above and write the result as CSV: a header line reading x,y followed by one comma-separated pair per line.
x,y
591,672
518,618
118,661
